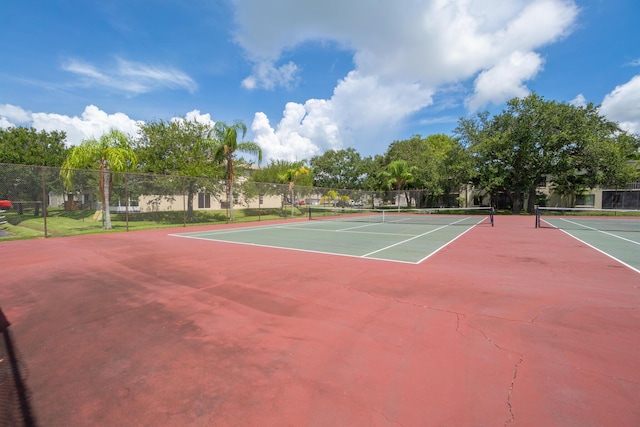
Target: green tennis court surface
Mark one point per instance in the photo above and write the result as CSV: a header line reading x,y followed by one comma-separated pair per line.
x,y
615,232
395,236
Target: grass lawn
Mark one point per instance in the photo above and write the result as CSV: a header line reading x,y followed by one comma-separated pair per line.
x,y
72,223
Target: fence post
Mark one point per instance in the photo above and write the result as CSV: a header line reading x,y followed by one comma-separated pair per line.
x,y
126,202
44,202
184,206
259,202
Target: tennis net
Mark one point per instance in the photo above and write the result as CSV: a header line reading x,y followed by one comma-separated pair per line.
x,y
626,220
435,216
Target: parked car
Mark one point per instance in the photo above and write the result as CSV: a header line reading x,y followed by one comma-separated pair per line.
x,y
5,204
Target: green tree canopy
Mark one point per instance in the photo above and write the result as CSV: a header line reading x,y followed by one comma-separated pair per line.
x,y
533,139
181,147
441,165
339,169
26,146
277,169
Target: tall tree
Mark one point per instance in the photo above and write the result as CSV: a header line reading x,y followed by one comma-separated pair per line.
x,y
533,139
111,153
339,169
290,176
399,174
27,146
181,147
228,146
441,165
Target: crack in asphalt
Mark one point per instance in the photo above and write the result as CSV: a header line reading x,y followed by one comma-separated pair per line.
x,y
513,382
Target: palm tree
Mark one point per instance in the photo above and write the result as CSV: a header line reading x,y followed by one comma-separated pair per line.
x,y
398,175
290,176
111,153
228,139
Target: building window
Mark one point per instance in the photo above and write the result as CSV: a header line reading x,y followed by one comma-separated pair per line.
x,y
204,201
586,200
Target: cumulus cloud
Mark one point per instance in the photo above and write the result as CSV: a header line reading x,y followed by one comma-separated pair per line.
x,y
14,114
623,105
92,123
5,124
505,80
195,116
432,41
403,53
361,107
579,101
128,76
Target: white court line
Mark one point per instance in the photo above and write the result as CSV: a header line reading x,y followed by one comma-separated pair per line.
x,y
200,236
294,226
593,247
291,249
414,237
348,230
600,231
450,241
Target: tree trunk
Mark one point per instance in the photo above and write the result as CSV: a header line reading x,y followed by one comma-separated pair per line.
x,y
190,213
516,200
105,204
531,201
231,178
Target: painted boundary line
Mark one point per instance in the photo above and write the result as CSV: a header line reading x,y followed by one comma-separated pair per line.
x,y
416,237
451,241
597,249
260,245
199,236
599,231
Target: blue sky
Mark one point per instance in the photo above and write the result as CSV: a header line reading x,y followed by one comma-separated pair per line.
x,y
306,76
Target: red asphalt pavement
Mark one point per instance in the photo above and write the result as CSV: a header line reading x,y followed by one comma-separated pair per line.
x,y
507,326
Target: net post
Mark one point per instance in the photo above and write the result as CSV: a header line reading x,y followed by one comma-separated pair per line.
x,y
491,214
537,216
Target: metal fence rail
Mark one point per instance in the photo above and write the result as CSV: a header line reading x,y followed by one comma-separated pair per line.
x,y
39,194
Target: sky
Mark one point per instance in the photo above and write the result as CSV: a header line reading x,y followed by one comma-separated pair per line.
x,y
308,76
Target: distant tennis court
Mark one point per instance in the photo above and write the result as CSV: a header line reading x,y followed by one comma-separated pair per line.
x,y
407,235
613,232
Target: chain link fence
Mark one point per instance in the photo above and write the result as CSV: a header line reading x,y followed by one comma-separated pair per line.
x,y
56,202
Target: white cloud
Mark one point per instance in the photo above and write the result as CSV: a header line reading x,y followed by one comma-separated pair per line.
x,y
92,123
402,53
579,101
195,116
14,114
285,142
267,76
504,80
361,107
5,124
623,105
129,76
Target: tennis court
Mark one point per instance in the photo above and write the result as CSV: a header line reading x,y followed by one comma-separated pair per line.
x,y
503,326
409,235
613,232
